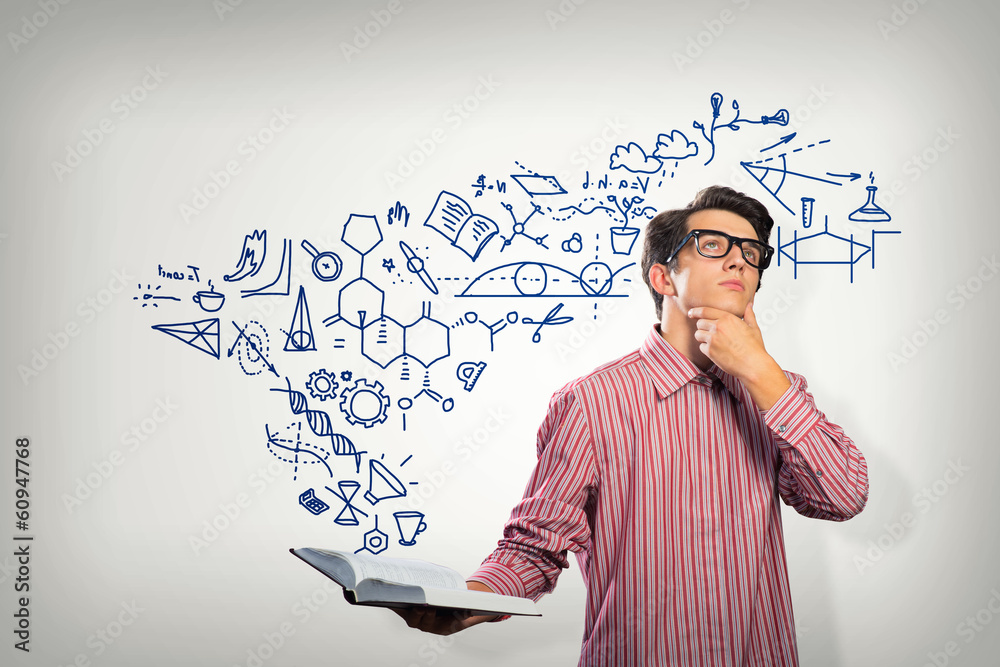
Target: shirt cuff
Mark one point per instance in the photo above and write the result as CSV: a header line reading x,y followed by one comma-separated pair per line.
x,y
792,415
501,580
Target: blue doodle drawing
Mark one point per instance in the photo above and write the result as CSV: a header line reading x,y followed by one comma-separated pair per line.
x,y
153,298
364,403
674,146
326,265
539,279
415,265
322,384
251,256
409,523
282,283
252,354
779,118
292,442
398,212
550,319
309,500
320,424
300,336
632,158
382,483
348,516
536,184
772,177
870,211
574,244
375,541
495,328
361,234
452,218
468,372
201,335
480,186
824,247
520,226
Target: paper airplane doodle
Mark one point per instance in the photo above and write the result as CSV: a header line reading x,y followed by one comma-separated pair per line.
x,y
201,335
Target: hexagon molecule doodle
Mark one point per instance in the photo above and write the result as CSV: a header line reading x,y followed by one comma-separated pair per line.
x,y
359,302
426,340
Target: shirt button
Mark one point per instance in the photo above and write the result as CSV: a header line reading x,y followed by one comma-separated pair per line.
x,y
782,428
819,473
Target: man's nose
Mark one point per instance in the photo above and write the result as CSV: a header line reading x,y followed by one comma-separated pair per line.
x,y
735,256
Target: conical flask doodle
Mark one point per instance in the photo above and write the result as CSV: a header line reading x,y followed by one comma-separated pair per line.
x,y
870,212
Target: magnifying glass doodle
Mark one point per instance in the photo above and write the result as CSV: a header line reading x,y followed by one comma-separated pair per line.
x,y
326,266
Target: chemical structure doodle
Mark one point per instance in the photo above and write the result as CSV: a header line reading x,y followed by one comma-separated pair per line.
x,y
519,227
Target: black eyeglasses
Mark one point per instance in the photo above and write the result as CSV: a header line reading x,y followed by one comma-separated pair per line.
x,y
712,243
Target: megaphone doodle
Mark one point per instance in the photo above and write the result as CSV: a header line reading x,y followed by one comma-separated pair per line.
x,y
382,484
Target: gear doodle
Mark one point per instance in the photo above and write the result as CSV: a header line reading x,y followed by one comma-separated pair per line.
x,y
346,376
364,403
322,385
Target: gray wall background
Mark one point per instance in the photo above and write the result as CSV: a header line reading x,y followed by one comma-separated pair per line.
x,y
890,84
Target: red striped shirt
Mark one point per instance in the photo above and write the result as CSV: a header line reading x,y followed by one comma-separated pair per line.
x,y
665,482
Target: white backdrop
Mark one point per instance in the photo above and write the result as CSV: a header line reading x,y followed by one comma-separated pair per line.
x,y
141,137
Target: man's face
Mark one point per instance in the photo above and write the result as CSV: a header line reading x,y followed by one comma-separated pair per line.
x,y
728,282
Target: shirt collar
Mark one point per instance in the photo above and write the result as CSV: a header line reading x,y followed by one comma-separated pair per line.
x,y
669,370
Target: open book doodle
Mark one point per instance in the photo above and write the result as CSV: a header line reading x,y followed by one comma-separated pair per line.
x,y
405,582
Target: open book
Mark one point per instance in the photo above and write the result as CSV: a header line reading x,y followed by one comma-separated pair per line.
x,y
405,582
452,218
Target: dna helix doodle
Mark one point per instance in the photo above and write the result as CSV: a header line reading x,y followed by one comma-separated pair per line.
x,y
320,424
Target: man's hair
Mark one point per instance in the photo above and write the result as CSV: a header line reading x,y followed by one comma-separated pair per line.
x,y
666,229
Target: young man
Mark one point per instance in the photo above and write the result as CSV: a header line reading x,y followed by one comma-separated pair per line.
x,y
663,471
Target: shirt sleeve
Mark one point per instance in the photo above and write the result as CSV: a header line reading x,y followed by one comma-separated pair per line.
x,y
551,518
823,475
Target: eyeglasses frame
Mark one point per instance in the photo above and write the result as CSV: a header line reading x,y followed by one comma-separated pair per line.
x,y
765,261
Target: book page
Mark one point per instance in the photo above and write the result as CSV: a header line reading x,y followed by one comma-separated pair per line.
x,y
402,570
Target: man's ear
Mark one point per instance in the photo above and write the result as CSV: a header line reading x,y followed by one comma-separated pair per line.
x,y
659,278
